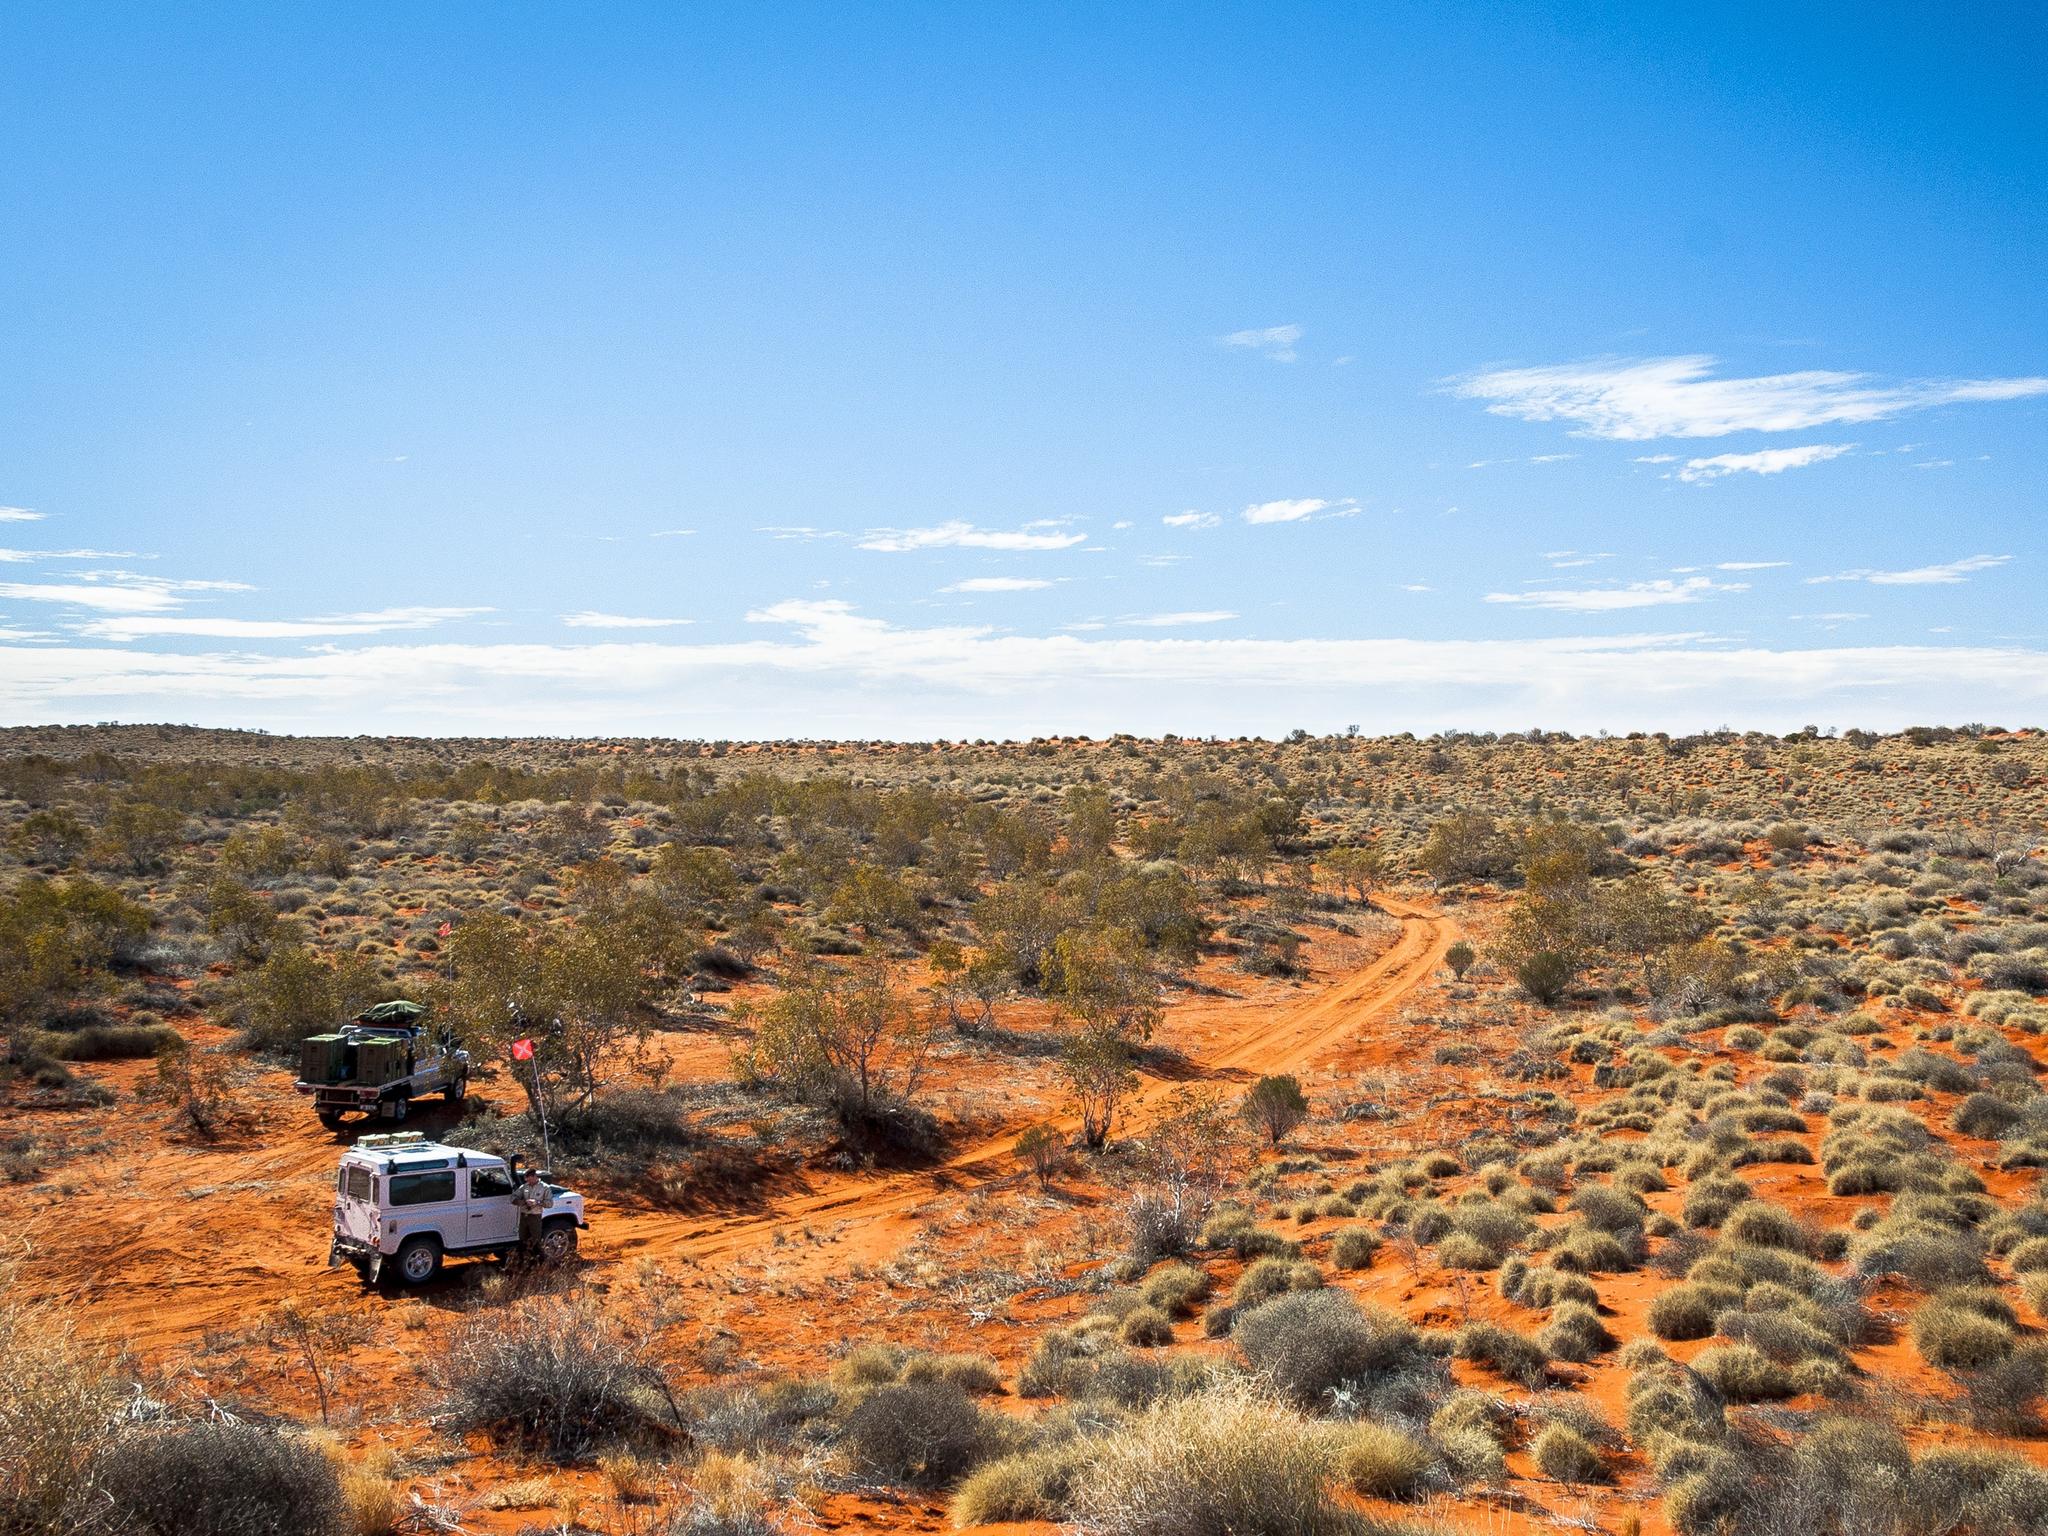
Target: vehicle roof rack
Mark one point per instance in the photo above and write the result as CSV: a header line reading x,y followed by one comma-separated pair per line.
x,y
393,1139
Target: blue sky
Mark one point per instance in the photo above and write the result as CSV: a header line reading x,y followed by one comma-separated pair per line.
x,y
886,371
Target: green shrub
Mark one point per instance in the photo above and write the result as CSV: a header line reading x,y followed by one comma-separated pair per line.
x,y
1268,1278
1147,1327
1575,1333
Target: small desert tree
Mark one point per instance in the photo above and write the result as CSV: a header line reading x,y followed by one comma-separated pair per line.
x,y
1274,1106
1460,957
1097,1066
841,1036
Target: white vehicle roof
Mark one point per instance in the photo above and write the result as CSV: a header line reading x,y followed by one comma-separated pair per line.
x,y
414,1149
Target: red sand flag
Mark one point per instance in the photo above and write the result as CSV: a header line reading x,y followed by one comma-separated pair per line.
x,y
522,1050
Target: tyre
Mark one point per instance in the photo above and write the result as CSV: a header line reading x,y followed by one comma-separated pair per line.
x,y
418,1260
331,1118
398,1108
558,1242
457,1091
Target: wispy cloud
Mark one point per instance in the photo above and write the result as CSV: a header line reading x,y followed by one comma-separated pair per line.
x,y
25,556
672,533
1660,593
1177,620
998,584
1765,461
1273,341
20,515
383,621
1191,519
1948,574
1299,510
963,535
1636,400
115,592
1752,565
589,619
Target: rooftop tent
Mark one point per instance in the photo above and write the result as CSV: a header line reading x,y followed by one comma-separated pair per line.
x,y
398,1011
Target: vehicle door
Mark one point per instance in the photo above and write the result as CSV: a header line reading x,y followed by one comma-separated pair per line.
x,y
492,1216
425,1200
355,1202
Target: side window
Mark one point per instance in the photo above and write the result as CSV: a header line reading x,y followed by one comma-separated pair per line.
x,y
356,1182
421,1188
489,1183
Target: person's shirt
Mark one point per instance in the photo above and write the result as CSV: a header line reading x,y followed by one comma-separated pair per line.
x,y
533,1197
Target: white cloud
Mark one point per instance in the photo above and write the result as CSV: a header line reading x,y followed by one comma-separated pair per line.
x,y
23,556
673,533
1656,458
842,675
114,592
383,621
998,584
1765,461
1191,519
962,535
588,619
1265,512
1178,620
1636,400
1752,565
1948,574
1274,341
1610,599
20,515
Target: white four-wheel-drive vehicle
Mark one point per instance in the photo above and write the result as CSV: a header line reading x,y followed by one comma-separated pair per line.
x,y
379,1064
403,1203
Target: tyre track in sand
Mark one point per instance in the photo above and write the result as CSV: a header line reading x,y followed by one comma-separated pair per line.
x,y
1269,1042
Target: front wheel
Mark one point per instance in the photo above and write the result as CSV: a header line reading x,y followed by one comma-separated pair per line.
x,y
558,1242
398,1109
418,1261
457,1091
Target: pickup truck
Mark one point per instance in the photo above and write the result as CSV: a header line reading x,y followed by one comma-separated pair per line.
x,y
403,1203
378,1065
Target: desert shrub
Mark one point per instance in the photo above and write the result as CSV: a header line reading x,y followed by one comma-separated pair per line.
x,y
924,1434
1470,1429
1953,1335
1769,1226
974,1374
1515,1356
553,1377
1979,1490
1461,1250
1986,1116
1575,1333
1175,1289
1268,1278
1591,1251
1709,1201
1928,1255
56,1401
1742,1373
1222,1463
1383,1462
221,1479
1353,1247
1562,1452
1146,1326
1545,1287
108,1042
1032,1485
1313,1345
1234,1228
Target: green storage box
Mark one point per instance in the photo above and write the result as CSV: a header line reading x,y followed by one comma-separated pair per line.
x,y
321,1058
380,1061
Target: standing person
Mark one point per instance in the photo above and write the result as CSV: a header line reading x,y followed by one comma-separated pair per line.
x,y
531,1199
